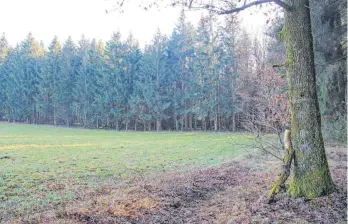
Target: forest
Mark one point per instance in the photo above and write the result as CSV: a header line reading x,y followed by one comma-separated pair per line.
x,y
207,76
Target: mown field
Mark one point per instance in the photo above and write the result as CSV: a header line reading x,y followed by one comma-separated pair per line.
x,y
42,166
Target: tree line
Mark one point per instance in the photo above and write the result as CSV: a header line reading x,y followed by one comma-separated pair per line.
x,y
186,82
209,76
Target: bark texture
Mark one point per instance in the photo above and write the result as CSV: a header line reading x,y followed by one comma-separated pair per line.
x,y
311,171
286,167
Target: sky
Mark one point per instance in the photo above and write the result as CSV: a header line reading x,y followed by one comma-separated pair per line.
x,y
47,18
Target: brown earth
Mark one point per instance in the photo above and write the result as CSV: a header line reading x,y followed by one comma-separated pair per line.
x,y
231,193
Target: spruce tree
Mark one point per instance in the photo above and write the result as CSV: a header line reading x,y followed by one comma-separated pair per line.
x,y
203,73
111,98
83,94
180,62
4,48
66,83
96,68
47,87
153,84
131,68
31,53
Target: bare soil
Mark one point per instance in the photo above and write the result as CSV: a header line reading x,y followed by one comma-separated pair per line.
x,y
232,193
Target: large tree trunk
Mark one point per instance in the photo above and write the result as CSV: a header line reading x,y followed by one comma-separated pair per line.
x,y
311,171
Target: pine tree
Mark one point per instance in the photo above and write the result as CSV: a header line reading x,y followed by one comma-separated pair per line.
x,y
31,53
4,49
227,68
203,73
154,85
66,83
15,97
96,68
111,97
180,60
104,90
47,87
83,91
131,68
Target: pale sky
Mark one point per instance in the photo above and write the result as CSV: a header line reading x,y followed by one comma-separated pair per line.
x,y
46,18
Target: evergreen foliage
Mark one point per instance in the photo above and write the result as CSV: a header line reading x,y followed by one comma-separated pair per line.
x,y
209,77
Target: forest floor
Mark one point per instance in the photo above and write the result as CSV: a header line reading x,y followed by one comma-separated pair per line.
x,y
213,185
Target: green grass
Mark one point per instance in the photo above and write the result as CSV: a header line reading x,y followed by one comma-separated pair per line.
x,y
41,165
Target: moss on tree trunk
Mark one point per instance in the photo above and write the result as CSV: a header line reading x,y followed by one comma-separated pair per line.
x,y
286,167
311,171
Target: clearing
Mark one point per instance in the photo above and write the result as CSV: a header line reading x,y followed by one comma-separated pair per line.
x,y
60,175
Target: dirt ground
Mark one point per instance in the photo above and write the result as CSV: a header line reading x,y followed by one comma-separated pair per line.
x,y
232,193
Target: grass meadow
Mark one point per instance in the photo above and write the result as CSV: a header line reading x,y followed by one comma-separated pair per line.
x,y
43,166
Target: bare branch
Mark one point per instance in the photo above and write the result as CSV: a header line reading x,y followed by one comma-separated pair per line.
x,y
195,5
238,9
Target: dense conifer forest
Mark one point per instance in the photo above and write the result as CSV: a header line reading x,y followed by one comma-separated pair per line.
x,y
206,76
